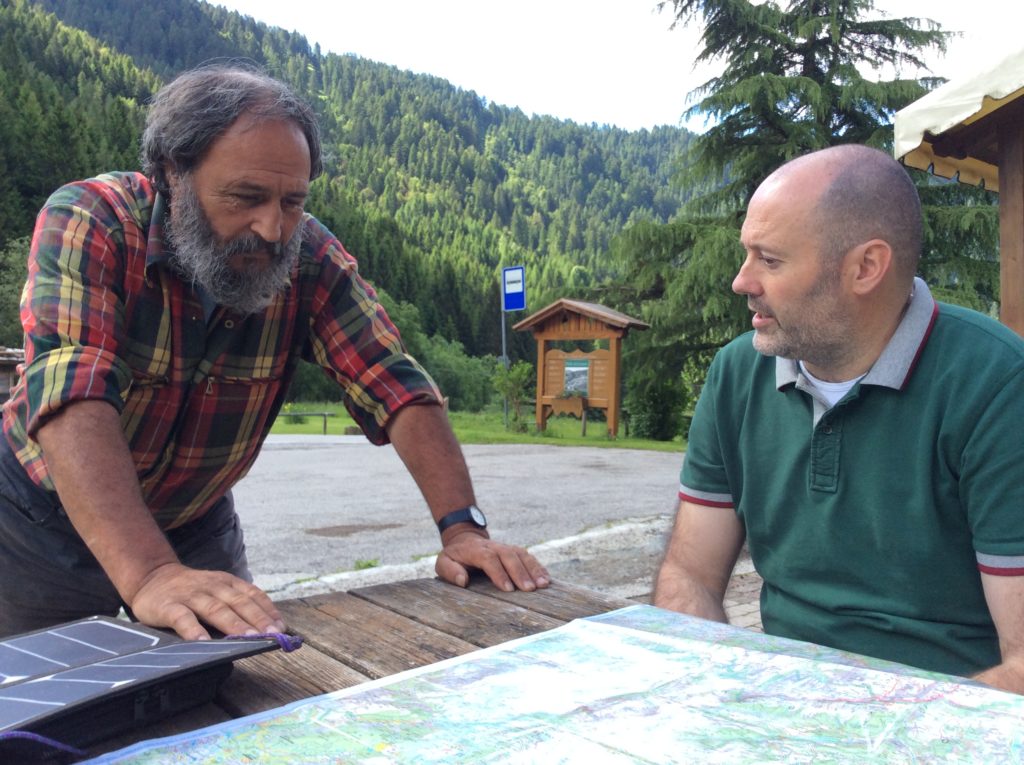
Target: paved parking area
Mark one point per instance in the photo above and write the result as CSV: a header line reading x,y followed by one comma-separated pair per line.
x,y
334,512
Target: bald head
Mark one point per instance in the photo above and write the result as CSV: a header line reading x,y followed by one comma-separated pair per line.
x,y
862,194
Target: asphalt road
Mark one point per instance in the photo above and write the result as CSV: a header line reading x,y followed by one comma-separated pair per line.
x,y
335,512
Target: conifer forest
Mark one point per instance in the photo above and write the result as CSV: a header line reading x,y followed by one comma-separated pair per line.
x,y
434,189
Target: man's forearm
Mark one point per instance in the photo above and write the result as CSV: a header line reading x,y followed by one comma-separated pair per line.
x,y
91,466
699,560
424,440
1008,676
676,590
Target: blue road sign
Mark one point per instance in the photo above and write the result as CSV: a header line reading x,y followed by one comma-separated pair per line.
x,y
513,288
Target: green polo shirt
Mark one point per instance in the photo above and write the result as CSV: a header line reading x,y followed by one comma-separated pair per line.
x,y
870,520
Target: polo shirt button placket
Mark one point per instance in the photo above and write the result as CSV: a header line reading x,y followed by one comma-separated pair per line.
x,y
824,466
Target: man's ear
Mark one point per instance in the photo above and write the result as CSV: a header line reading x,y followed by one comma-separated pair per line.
x,y
868,264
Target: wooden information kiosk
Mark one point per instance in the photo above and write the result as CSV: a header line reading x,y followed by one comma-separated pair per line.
x,y
570,382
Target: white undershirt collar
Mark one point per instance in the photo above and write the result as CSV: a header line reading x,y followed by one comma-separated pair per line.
x,y
831,391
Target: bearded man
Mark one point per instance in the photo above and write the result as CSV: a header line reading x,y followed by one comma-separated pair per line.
x,y
164,314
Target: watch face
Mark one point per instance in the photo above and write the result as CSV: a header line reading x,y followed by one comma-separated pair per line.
x,y
478,517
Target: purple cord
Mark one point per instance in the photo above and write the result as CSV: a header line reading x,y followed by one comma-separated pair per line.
x,y
27,735
287,642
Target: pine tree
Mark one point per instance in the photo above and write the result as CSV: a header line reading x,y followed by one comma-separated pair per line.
x,y
796,78
794,81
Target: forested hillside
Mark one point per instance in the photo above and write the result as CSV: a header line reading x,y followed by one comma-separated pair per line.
x,y
70,107
434,189
431,187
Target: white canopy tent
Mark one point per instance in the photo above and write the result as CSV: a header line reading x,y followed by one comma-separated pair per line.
x,y
973,130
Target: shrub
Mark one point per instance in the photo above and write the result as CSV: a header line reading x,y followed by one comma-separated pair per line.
x,y
13,271
464,379
515,384
656,412
311,383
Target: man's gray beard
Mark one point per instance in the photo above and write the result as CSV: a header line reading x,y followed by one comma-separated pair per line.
x,y
205,261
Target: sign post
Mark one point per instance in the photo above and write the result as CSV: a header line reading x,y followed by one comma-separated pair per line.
x,y
513,298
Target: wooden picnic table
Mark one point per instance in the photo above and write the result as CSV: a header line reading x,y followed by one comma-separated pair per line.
x,y
698,675
372,632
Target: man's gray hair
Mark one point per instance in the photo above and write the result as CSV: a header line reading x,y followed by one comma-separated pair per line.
x,y
188,114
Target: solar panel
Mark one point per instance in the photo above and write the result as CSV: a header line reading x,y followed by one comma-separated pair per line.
x,y
90,679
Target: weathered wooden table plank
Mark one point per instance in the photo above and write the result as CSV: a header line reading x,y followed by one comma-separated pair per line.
x,y
560,600
370,639
476,618
272,679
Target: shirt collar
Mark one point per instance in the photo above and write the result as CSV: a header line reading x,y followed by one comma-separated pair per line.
x,y
894,366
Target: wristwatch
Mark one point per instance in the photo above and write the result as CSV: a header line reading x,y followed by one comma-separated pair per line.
x,y
471,514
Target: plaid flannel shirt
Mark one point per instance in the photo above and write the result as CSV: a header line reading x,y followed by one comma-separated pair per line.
x,y
107,318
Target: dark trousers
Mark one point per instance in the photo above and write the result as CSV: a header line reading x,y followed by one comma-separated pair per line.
x,y
49,576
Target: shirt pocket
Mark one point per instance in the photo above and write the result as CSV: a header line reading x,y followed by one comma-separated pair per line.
x,y
150,408
213,444
227,416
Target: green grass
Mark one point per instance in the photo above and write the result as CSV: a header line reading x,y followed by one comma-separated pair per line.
x,y
562,430
487,427
313,425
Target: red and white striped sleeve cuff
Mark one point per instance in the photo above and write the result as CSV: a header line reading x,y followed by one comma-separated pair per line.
x,y
711,499
1001,565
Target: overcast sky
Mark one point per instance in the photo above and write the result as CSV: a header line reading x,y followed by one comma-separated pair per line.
x,y
613,62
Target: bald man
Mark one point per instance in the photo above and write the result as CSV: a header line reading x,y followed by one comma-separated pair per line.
x,y
864,440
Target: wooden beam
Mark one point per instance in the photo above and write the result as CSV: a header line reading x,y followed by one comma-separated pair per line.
x,y
541,365
1011,225
575,330
615,394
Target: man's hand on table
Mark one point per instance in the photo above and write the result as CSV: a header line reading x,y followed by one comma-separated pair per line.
x,y
508,567
179,597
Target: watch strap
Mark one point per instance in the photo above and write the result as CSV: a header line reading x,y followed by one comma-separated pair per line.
x,y
465,515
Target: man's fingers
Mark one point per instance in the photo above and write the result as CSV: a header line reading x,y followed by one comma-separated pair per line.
x,y
254,607
503,563
523,569
221,615
451,571
184,622
475,552
182,598
507,566
234,607
538,573
533,575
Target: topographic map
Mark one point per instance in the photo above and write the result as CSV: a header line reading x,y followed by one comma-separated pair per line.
x,y
638,685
